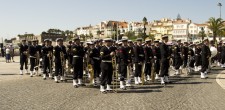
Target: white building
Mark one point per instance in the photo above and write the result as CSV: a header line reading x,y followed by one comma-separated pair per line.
x,y
180,30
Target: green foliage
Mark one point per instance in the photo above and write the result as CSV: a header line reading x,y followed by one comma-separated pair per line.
x,y
217,26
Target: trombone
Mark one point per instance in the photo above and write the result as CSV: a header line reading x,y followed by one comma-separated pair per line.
x,y
115,74
63,63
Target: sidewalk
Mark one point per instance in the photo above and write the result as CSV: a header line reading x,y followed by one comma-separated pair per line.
x,y
220,79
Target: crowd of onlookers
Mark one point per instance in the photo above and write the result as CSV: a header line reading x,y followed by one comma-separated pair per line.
x,y
8,52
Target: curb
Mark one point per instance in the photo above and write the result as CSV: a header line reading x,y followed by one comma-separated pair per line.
x,y
220,79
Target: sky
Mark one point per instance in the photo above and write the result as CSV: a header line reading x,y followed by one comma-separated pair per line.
x,y
36,16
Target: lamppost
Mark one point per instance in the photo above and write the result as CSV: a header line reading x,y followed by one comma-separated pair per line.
x,y
220,5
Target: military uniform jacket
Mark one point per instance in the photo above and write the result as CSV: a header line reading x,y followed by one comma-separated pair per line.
x,y
177,52
23,48
148,54
94,55
123,55
185,52
46,50
205,52
78,52
33,51
198,51
138,54
223,51
105,54
164,49
156,53
58,49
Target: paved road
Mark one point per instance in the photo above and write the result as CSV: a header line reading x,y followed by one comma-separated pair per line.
x,y
186,93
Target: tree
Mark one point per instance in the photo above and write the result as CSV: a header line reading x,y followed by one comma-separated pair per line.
x,y
144,23
216,25
202,33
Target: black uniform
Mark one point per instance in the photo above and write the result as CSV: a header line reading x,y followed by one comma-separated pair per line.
x,y
124,59
148,60
205,57
60,57
78,56
223,54
23,56
33,56
106,65
197,56
164,60
69,55
185,56
157,58
47,52
95,60
219,54
191,57
177,57
139,58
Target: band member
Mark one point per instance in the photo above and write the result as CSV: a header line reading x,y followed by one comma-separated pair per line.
x,y
138,60
106,55
70,56
191,57
130,73
60,59
47,58
157,58
164,68
219,49
39,56
205,58
223,55
33,56
148,59
185,54
177,57
123,56
11,52
78,55
95,61
198,57
23,56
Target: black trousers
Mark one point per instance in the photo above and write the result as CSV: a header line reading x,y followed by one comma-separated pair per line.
x,y
23,61
185,60
177,62
192,62
197,60
148,67
32,63
77,68
46,64
107,70
205,64
97,68
58,68
164,67
123,70
138,70
157,66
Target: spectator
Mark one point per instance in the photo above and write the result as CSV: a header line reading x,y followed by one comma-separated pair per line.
x,y
11,52
7,51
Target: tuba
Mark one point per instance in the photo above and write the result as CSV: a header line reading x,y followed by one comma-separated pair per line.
x,y
213,51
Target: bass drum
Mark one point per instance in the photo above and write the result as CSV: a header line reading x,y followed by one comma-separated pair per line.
x,y
213,51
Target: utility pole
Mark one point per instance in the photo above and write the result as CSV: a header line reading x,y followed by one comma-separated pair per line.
x,y
220,5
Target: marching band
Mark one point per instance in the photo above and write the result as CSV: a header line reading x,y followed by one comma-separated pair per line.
x,y
105,62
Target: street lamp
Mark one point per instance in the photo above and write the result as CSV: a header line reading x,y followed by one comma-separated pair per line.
x,y
220,5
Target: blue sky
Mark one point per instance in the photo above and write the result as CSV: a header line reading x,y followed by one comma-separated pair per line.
x,y
35,16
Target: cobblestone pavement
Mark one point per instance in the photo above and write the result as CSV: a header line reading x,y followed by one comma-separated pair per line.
x,y
185,93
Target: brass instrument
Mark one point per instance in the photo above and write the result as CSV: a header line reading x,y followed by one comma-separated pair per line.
x,y
63,62
143,73
115,74
37,60
153,70
50,61
91,70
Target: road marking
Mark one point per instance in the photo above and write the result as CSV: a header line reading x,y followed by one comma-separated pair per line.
x,y
220,79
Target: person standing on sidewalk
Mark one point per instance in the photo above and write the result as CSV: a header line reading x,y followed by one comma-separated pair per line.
x,y
23,56
7,55
11,52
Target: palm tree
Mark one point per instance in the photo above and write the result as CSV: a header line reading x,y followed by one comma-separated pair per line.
x,y
144,23
202,33
216,25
